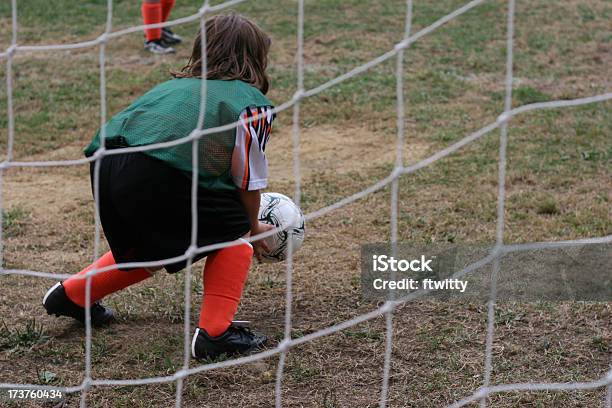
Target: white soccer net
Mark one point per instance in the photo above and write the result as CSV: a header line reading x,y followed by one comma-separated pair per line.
x,y
387,309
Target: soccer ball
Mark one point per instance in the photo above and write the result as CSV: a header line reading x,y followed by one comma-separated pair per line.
x,y
278,210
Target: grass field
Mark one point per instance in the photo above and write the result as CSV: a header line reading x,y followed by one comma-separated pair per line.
x,y
559,186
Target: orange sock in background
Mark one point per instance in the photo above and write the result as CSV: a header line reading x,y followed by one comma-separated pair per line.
x,y
151,14
166,6
102,283
225,272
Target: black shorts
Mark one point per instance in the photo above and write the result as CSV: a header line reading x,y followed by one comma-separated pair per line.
x,y
145,211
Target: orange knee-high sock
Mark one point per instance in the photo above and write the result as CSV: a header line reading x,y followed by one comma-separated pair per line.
x,y
166,6
225,272
102,283
151,14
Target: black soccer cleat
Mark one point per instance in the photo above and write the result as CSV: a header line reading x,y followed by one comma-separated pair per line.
x,y
169,37
235,340
57,303
158,47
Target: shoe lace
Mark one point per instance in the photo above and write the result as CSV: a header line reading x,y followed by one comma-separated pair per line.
x,y
244,331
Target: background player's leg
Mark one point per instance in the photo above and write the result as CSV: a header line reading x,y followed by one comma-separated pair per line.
x,y
166,6
152,13
168,36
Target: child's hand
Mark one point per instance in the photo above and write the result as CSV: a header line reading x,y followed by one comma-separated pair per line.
x,y
260,246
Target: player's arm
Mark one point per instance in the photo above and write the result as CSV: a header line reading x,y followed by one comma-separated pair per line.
x,y
251,201
250,167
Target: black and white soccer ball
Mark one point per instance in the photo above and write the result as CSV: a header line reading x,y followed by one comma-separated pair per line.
x,y
278,210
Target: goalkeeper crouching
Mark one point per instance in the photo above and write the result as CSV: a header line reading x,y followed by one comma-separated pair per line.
x,y
145,197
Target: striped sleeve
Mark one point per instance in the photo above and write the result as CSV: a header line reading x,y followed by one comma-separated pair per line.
x,y
249,163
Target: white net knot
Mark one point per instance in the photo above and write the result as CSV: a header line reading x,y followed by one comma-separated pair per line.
x,y
497,250
203,10
397,171
86,384
284,345
504,117
191,251
98,154
481,393
400,46
195,134
387,307
4,165
181,374
298,95
92,272
10,51
103,38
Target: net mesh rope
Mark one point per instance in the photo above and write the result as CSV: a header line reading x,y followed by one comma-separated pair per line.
x,y
481,394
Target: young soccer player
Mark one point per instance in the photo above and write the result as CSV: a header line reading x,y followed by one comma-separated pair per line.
x,y
158,40
145,197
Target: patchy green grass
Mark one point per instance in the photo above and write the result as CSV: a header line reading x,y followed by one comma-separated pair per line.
x,y
17,339
13,220
525,95
547,206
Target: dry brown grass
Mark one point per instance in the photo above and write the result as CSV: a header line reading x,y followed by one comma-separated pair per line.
x,y
346,145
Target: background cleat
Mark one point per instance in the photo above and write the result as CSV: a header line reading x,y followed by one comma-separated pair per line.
x,y
158,47
169,37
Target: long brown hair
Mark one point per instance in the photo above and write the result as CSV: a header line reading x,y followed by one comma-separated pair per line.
x,y
236,48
